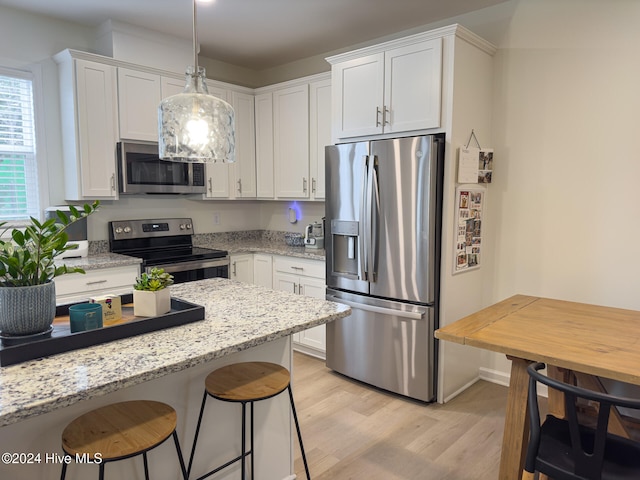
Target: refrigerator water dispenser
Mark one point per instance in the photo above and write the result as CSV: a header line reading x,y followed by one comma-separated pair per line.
x,y
344,237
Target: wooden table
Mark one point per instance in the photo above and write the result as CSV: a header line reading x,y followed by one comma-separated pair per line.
x,y
594,340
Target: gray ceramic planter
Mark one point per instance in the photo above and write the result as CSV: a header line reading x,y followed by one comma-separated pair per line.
x,y
27,310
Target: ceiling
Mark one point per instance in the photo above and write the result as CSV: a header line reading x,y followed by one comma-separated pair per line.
x,y
260,34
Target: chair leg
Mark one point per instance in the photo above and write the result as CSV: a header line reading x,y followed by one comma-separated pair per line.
x,y
295,418
180,458
252,450
63,474
528,476
101,472
195,437
243,458
146,465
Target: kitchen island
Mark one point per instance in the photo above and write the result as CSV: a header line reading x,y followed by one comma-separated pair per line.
x,y
242,322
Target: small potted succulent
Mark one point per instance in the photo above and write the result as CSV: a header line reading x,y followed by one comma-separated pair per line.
x,y
27,270
151,295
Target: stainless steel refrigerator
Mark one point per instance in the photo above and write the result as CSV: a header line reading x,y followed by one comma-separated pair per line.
x,y
383,222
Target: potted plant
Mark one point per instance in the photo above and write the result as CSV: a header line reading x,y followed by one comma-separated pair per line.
x,y
151,297
27,270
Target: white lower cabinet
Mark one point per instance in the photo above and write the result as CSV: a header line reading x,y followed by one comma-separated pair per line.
x,y
241,267
303,277
263,270
78,287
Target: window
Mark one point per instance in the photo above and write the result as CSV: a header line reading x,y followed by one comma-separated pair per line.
x,y
18,167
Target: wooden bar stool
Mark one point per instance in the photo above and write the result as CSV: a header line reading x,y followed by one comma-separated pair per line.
x,y
121,430
244,383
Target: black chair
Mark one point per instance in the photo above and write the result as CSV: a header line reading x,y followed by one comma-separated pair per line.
x,y
563,449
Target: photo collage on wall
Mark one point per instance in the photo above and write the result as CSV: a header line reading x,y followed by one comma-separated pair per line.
x,y
469,203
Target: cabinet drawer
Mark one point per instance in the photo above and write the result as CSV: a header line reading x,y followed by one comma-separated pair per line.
x,y
95,280
299,266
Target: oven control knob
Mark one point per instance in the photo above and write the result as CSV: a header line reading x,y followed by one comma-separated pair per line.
x,y
188,226
127,229
118,230
182,226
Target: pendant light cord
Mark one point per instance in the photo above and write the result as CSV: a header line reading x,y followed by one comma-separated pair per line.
x,y
195,40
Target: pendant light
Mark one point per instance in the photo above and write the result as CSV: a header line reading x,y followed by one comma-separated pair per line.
x,y
195,126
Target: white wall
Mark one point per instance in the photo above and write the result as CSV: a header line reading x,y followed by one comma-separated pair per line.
x,y
564,193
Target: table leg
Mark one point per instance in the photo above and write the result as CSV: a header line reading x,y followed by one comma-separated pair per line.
x,y
516,425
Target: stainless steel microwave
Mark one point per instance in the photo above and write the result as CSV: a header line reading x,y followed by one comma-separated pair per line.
x,y
140,170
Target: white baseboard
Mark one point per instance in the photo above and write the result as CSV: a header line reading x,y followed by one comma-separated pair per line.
x,y
290,477
460,390
502,378
494,376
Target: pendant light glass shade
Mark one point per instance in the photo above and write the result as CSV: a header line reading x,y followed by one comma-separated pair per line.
x,y
194,125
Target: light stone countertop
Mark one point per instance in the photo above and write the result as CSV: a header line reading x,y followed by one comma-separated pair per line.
x,y
238,316
242,244
100,260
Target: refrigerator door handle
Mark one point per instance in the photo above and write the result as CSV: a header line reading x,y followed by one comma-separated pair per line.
x,y
374,219
418,315
368,219
362,234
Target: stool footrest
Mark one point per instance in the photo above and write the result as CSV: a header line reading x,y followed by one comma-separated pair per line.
x,y
222,467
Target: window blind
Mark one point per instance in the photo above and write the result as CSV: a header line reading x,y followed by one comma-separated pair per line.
x,y
18,168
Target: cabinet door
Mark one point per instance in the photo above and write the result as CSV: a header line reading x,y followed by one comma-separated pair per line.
x,y
241,268
358,96
263,270
264,145
285,282
138,100
291,141
171,86
412,90
217,173
313,337
96,125
243,170
319,133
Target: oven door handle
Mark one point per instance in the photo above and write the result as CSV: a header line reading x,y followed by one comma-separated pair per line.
x,y
195,265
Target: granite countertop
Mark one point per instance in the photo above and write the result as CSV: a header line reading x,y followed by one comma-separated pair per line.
x,y
100,260
258,241
238,316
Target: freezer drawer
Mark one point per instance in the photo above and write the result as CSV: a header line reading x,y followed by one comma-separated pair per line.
x,y
384,343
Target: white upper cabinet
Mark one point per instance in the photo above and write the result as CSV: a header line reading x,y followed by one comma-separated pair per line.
x,y
390,88
319,133
217,173
88,100
139,95
264,145
242,173
291,141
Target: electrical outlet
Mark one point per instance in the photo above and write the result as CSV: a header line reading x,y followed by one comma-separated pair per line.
x,y
216,218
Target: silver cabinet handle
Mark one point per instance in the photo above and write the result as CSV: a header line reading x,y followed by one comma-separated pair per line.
x,y
113,182
239,185
313,185
304,184
234,269
294,288
385,111
297,268
210,185
300,291
96,282
378,112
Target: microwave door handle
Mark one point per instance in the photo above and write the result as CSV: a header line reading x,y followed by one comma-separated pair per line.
x,y
362,242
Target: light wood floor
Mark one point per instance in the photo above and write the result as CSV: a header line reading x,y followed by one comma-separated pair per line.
x,y
351,431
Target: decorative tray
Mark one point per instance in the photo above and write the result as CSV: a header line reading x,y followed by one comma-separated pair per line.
x,y
60,339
